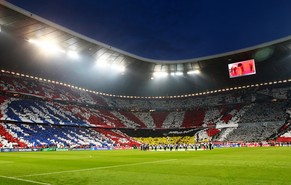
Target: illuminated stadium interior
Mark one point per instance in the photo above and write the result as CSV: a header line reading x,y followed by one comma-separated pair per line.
x,y
53,78
75,110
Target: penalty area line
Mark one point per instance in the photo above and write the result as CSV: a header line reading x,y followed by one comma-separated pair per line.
x,y
97,168
24,180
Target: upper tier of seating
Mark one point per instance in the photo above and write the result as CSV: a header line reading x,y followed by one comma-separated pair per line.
x,y
63,92
55,113
48,90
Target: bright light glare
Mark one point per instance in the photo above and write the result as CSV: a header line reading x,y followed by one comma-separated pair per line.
x,y
160,74
102,63
73,55
115,67
119,68
179,73
47,46
193,72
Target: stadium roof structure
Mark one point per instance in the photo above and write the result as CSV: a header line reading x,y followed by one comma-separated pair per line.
x,y
20,29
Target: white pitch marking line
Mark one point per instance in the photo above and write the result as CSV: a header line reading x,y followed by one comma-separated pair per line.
x,y
97,168
24,180
5,162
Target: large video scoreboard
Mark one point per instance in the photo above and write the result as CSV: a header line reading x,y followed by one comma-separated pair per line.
x,y
242,68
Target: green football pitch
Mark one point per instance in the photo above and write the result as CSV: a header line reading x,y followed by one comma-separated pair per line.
x,y
262,165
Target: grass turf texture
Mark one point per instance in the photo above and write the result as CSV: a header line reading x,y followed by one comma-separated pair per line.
x,y
270,165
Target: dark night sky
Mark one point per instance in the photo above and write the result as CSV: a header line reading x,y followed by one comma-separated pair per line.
x,y
170,29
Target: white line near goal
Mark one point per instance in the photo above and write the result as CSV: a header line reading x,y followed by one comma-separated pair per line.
x,y
6,162
24,180
97,168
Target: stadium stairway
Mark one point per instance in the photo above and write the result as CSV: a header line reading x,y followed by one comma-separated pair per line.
x,y
193,118
159,118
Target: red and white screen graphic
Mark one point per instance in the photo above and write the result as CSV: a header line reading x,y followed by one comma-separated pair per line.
x,y
242,68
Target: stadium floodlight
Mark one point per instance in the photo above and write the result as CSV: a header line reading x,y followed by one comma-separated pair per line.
x,y
120,68
160,74
193,72
179,73
176,73
73,54
47,46
102,63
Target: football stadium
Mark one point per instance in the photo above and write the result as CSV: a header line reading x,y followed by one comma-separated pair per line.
x,y
78,110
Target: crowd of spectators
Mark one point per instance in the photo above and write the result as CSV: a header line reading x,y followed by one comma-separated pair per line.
x,y
266,111
40,136
248,115
253,132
